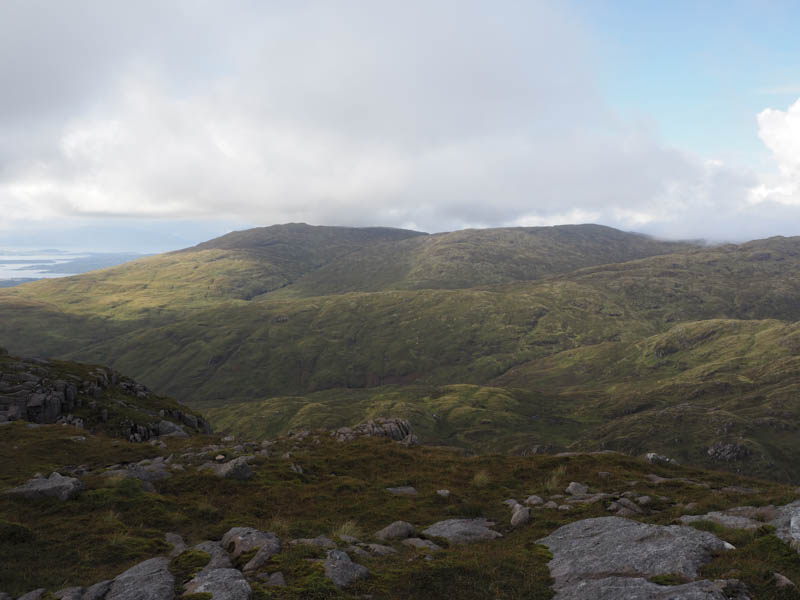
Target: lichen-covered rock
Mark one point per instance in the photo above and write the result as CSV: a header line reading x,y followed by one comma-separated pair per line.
x,y
341,570
463,531
55,486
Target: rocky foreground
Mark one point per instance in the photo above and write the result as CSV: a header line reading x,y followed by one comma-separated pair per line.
x,y
321,514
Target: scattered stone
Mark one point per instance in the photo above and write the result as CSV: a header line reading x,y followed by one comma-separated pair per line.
x,y
177,543
421,544
33,595
522,514
349,539
550,504
534,500
149,580
644,500
222,584
341,570
296,468
403,490
577,489
782,581
395,531
724,519
55,486
443,493
564,507
463,531
604,474
736,489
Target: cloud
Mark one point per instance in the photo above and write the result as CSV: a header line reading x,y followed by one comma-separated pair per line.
x,y
431,115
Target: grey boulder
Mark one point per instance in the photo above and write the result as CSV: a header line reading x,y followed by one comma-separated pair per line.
x,y
55,486
219,558
396,531
463,531
341,570
605,547
243,539
149,580
222,584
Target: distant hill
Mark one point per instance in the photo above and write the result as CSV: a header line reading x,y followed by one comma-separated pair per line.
x,y
516,339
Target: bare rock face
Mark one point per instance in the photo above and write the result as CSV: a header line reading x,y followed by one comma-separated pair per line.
x,y
55,486
463,531
341,570
398,430
610,557
149,580
222,584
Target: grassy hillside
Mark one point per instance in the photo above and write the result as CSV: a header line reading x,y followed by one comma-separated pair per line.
x,y
114,523
299,326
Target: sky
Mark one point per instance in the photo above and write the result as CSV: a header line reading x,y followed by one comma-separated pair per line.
x,y
157,124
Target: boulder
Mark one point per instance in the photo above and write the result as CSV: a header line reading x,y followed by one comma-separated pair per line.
x,y
276,580
463,531
239,540
33,595
521,515
70,593
659,459
341,570
55,486
97,591
593,549
380,550
149,580
534,500
222,584
577,489
396,531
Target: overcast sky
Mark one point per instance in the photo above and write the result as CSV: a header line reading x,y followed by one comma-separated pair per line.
x,y
150,125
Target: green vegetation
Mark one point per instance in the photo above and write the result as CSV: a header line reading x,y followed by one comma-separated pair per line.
x,y
114,524
515,340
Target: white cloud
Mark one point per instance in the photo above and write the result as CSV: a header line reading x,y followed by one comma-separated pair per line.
x,y
429,115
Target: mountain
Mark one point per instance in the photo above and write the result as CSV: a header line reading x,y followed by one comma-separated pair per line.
x,y
518,340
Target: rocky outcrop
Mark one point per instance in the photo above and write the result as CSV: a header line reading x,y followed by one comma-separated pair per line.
x,y
727,452
603,557
41,392
238,468
55,486
398,430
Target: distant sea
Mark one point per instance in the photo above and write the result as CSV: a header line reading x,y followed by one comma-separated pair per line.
x,y
19,266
